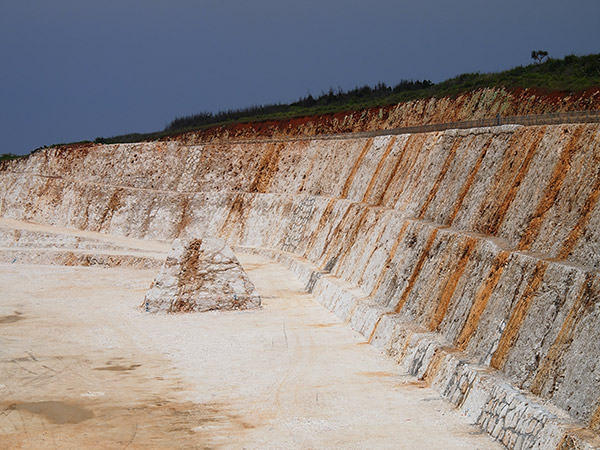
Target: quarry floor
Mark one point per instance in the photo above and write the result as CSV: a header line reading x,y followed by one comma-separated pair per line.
x,y
83,366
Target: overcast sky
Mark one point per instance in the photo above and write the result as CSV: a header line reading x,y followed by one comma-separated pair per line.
x,y
77,69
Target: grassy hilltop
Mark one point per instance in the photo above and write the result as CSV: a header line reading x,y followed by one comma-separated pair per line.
x,y
570,74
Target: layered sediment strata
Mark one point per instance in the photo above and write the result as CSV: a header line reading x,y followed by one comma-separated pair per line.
x,y
470,256
27,243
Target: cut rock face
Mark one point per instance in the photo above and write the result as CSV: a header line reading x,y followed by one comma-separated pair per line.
x,y
201,275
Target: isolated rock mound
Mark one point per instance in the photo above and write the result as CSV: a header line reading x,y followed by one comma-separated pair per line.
x,y
201,275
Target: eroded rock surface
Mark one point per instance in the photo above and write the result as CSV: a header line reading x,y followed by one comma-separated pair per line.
x,y
470,256
201,275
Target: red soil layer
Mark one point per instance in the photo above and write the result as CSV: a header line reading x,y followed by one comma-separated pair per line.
x,y
482,103
478,104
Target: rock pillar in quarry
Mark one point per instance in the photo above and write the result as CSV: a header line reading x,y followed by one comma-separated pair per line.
x,y
201,275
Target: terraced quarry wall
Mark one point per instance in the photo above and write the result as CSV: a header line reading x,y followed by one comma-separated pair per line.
x,y
470,256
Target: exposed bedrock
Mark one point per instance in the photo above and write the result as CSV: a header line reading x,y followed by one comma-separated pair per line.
x,y
201,275
470,256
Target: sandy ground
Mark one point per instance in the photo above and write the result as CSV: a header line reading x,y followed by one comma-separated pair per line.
x,y
82,366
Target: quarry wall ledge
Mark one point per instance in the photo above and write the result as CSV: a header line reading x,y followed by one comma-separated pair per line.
x,y
291,198
64,257
512,416
590,116
566,117
485,180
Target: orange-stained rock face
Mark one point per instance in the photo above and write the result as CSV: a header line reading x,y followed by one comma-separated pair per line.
x,y
461,253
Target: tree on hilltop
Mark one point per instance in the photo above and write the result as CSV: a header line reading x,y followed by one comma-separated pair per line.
x,y
539,55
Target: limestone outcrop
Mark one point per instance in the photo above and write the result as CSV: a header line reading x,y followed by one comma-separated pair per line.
x,y
201,275
470,256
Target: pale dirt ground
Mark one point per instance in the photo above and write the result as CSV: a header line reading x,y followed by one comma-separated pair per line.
x,y
82,366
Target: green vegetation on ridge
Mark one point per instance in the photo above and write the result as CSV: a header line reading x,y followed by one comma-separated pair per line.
x,y
9,156
570,74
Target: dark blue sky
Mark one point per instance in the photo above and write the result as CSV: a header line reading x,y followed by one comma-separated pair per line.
x,y
76,69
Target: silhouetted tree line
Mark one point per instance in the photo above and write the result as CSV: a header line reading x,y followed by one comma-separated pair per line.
x,y
207,118
361,94
339,97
